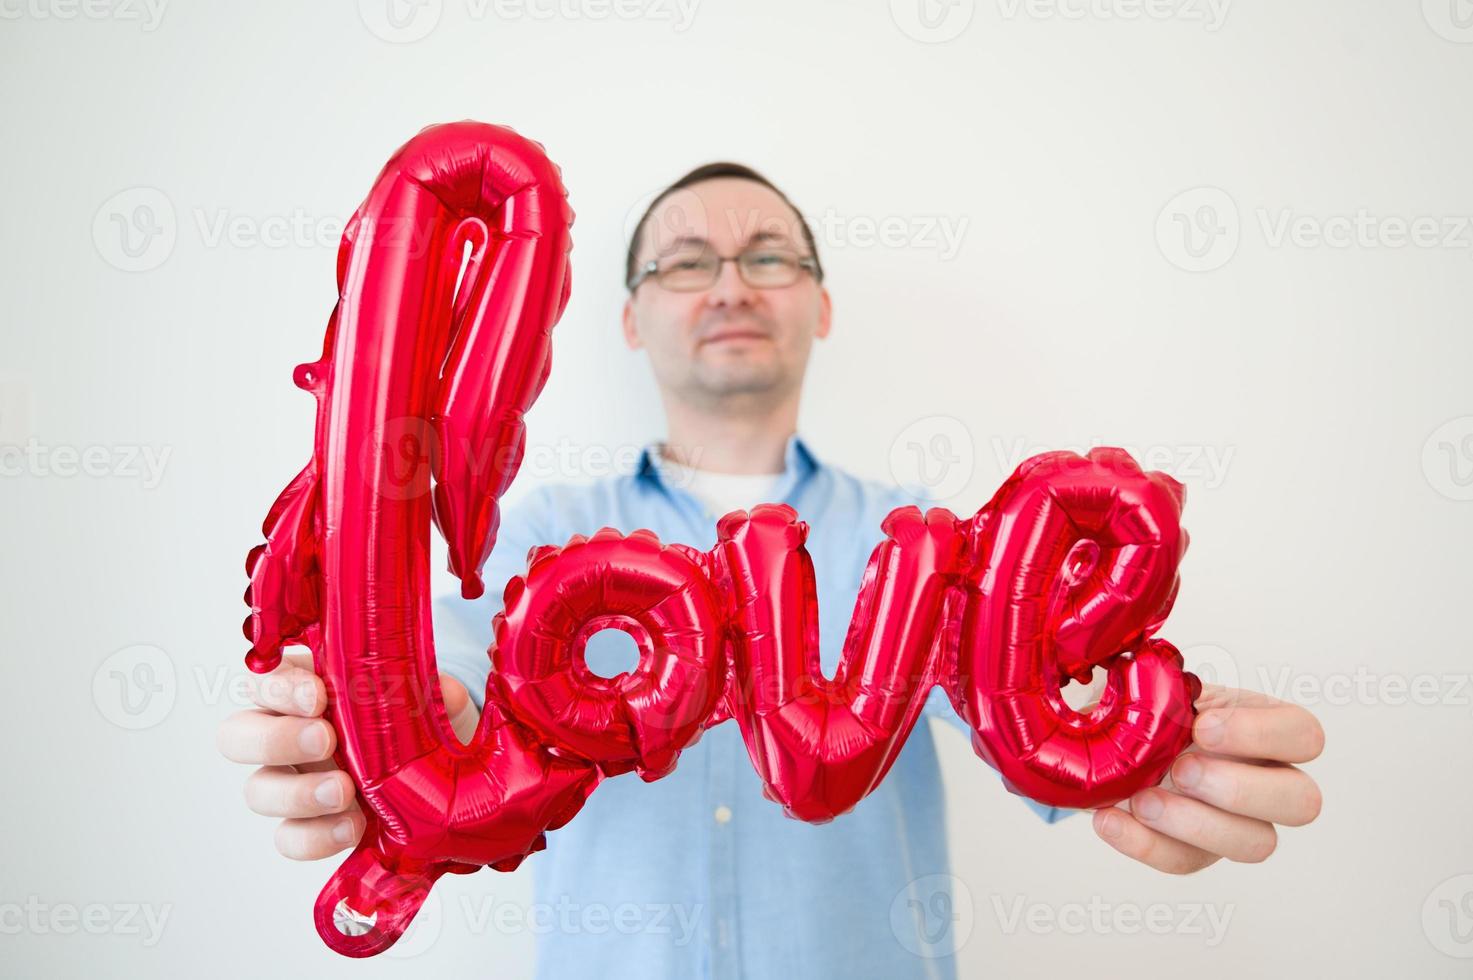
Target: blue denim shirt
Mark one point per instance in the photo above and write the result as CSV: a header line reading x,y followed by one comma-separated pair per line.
x,y
697,875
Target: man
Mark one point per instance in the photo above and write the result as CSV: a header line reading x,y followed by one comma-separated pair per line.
x,y
727,298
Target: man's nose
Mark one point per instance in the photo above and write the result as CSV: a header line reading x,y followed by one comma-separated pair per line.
x,y
730,289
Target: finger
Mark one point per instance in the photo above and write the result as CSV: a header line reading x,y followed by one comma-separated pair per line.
x,y
319,837
290,690
1281,733
1135,840
280,791
1218,696
1235,837
458,705
264,739
1279,794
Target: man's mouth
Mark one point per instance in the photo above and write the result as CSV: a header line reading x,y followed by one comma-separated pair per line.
x,y
723,336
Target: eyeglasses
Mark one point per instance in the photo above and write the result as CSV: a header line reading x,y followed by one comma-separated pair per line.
x,y
693,271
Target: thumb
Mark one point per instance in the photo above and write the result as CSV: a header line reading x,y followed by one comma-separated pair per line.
x,y
458,705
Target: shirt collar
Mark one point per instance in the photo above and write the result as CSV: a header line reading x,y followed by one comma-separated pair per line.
x,y
799,465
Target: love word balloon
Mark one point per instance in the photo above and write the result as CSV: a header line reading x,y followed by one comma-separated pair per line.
x,y
451,275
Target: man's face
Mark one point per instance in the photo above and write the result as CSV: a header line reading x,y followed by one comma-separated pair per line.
x,y
732,338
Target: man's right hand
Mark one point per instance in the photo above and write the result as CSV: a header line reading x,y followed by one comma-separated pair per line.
x,y
293,745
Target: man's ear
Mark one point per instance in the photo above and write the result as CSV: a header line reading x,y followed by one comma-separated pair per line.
x,y
825,313
631,333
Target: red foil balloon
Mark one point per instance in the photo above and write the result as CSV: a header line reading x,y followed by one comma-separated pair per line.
x,y
1072,562
640,719
451,276
821,745
420,377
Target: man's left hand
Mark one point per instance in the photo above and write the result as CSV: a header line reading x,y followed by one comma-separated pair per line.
x,y
1227,791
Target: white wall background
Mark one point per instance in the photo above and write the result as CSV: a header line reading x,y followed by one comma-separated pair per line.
x,y
1311,390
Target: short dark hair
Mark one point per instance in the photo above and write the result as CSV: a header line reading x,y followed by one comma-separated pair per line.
x,y
712,171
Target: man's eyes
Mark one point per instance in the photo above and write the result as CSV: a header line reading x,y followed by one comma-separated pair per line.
x,y
692,262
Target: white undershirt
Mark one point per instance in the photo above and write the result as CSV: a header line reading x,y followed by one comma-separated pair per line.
x,y
720,493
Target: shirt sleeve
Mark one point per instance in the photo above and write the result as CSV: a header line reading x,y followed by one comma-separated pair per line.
x,y
463,627
938,706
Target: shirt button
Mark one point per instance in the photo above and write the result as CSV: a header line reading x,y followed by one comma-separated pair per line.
x,y
723,814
